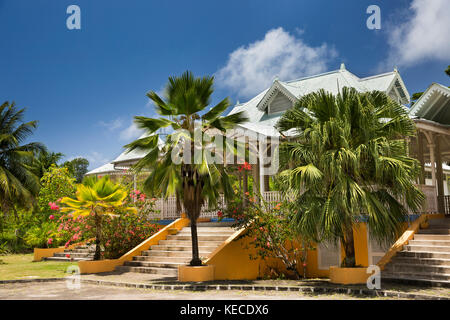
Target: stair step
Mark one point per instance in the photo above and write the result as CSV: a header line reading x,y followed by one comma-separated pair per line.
x,y
202,237
79,251
188,243
209,230
73,254
414,279
434,231
434,237
423,254
426,248
445,243
419,268
67,259
439,222
183,248
163,259
162,271
165,253
153,264
426,261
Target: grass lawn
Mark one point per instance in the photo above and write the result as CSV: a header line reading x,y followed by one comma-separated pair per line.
x,y
21,266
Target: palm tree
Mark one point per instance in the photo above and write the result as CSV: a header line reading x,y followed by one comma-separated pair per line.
x,y
98,197
44,159
347,159
18,183
195,183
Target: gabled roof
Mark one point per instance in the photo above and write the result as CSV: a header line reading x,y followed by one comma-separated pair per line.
x,y
126,159
433,105
104,169
332,82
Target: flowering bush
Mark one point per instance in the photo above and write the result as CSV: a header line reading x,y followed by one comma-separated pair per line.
x,y
125,231
70,230
55,184
271,233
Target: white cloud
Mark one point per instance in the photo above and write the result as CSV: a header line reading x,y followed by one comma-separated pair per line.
x,y
130,133
424,34
250,69
112,125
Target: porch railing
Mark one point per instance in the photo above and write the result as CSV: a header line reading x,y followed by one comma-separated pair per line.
x,y
167,208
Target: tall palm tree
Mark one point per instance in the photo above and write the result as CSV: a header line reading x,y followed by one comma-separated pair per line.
x,y
98,197
44,159
347,159
195,182
18,183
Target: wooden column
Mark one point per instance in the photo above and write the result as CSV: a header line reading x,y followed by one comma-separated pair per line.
x,y
439,174
420,158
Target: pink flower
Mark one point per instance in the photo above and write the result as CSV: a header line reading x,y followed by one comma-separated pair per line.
x,y
51,217
50,241
67,255
268,244
304,264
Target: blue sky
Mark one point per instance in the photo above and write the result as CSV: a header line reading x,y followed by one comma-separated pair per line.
x,y
84,86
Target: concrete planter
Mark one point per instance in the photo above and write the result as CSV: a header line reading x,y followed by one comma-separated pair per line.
x,y
195,274
348,275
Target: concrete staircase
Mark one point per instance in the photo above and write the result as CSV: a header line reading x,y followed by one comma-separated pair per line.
x,y
164,258
80,253
425,260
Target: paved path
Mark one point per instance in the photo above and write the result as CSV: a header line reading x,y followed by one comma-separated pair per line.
x,y
60,291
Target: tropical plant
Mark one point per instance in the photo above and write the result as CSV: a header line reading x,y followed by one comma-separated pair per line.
x,y
18,183
347,157
125,231
44,160
194,182
98,197
268,228
56,183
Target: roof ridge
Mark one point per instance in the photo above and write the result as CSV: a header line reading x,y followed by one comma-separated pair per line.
x,y
376,76
313,76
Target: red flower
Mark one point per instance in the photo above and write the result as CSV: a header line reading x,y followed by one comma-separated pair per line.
x,y
219,214
51,217
67,255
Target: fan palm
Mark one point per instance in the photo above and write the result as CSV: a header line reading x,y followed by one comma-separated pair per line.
x,y
195,183
18,183
98,197
347,159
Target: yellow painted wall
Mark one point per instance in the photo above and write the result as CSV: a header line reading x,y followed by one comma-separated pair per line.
x,y
232,261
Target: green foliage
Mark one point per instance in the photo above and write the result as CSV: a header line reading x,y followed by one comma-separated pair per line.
x,y
269,228
55,184
194,183
77,168
347,159
447,71
39,236
44,159
97,197
125,231
18,183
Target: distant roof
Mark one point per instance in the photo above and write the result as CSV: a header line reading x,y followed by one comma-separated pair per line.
x,y
433,105
104,169
332,82
126,159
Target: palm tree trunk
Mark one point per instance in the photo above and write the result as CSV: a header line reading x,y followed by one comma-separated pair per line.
x,y
98,236
349,249
196,261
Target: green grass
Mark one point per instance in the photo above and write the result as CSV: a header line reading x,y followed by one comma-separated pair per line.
x,y
21,266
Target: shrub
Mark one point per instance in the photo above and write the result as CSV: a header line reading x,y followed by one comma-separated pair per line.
x,y
55,184
271,233
124,231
